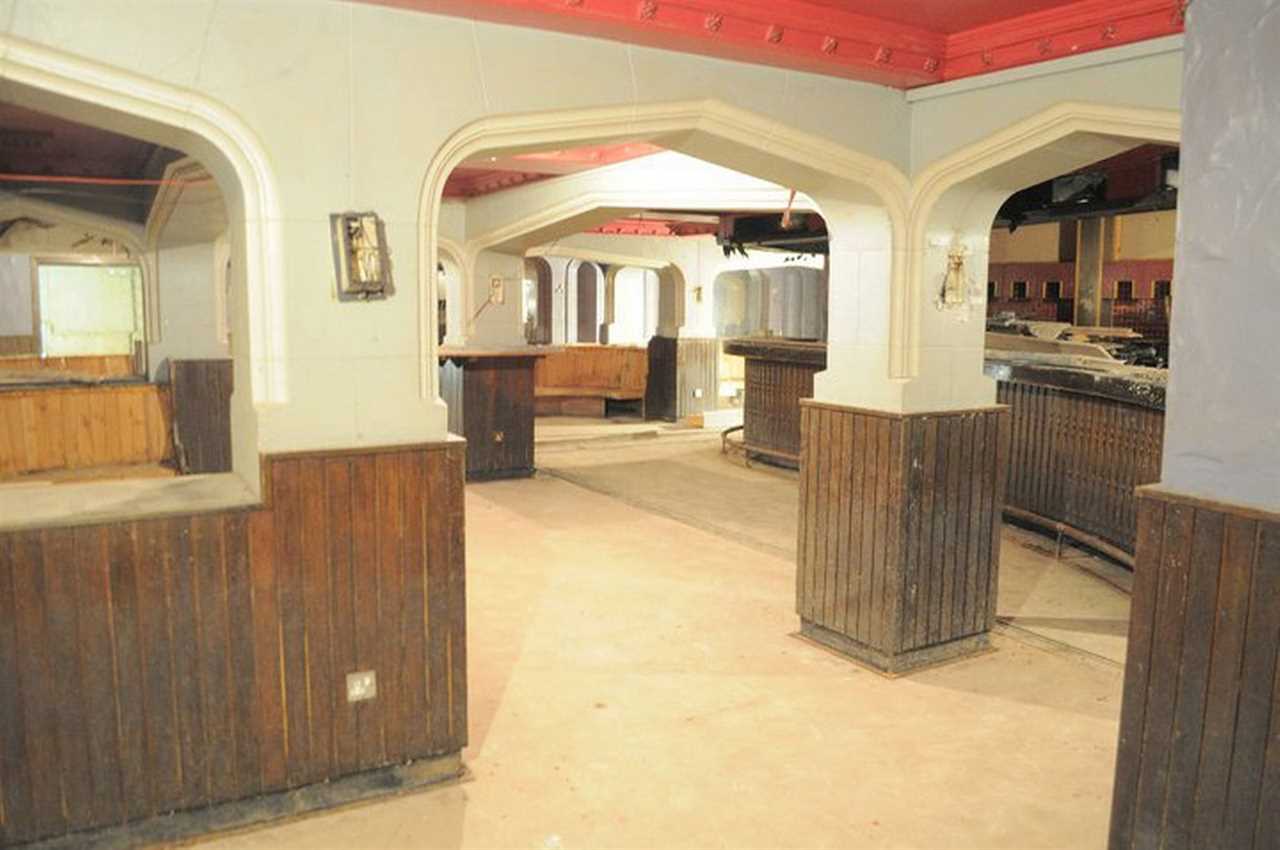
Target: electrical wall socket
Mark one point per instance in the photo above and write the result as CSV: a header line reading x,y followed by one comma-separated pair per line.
x,y
497,292
362,686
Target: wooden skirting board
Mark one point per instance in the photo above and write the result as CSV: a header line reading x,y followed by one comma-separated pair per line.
x,y
169,664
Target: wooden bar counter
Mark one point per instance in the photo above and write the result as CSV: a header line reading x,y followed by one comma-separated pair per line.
x,y
779,373
491,403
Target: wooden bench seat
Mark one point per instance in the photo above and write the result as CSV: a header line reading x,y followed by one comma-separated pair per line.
x,y
581,380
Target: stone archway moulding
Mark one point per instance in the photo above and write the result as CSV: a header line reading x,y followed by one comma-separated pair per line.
x,y
1020,139
244,160
878,178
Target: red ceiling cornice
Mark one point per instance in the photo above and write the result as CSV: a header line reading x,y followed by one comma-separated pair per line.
x,y
1078,28
809,36
655,227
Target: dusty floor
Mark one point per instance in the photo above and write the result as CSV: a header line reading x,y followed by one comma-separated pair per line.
x,y
635,682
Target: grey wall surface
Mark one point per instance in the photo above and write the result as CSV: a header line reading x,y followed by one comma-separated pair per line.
x,y
1222,438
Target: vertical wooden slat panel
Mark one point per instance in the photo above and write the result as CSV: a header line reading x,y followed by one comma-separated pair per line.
x,y
209,566
341,508
439,610
321,690
391,598
365,553
130,693
858,461
1193,675
1133,710
845,472
1236,577
268,650
242,673
1258,675
89,573
16,803
289,531
448,466
61,622
187,603
1166,657
415,687
155,610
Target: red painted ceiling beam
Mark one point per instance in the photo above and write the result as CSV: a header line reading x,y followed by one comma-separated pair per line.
x,y
809,36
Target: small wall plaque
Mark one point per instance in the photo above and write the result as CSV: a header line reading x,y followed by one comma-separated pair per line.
x,y
361,260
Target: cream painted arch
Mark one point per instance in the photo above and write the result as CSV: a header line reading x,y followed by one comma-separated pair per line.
x,y
1052,131
814,162
46,79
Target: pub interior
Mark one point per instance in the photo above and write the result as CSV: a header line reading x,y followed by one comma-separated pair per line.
x,y
485,423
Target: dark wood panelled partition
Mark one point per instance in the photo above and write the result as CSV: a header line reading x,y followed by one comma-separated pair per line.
x,y
683,377
1077,458
165,664
1198,766
898,544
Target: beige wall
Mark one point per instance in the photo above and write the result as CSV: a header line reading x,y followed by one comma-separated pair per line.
x,y
1145,236
1037,243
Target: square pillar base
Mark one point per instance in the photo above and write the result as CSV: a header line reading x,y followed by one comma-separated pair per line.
x,y
899,537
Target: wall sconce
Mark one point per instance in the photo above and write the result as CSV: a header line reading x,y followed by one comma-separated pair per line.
x,y
362,263
957,293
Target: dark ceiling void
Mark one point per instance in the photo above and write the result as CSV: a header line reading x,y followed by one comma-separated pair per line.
x,y
56,161
1144,179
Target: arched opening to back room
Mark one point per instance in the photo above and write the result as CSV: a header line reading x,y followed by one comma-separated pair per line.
x,y
634,267
116,304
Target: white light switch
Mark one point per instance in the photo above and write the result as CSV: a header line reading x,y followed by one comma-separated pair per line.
x,y
362,686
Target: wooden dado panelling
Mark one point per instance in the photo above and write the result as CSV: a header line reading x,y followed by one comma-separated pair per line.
x,y
899,525
202,414
1198,766
1077,458
683,377
167,664
77,427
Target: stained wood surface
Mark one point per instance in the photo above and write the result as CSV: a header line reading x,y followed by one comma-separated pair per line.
x,y
620,368
1198,764
105,366
491,404
899,525
77,427
1078,458
683,377
771,406
201,392
168,664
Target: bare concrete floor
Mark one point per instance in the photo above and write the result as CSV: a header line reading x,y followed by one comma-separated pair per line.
x,y
635,682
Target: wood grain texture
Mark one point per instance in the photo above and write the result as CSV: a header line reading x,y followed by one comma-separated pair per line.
x,y
98,366
173,663
1199,753
771,407
201,394
78,427
491,404
899,524
620,369
1078,459
683,377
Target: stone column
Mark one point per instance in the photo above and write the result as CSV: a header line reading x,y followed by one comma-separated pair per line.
x,y
1198,764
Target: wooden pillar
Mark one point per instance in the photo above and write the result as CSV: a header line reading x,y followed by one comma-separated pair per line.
x,y
899,531
684,377
1199,753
